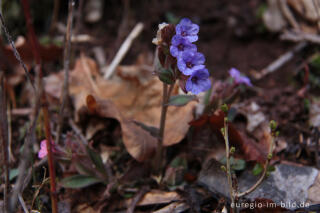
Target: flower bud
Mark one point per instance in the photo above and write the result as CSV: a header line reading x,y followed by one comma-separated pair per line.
x,y
224,108
232,150
273,125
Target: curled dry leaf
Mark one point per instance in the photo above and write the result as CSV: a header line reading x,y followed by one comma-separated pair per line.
x,y
251,150
138,142
135,92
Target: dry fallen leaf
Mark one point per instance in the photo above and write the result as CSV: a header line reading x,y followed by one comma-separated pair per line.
x,y
157,197
138,142
137,95
251,150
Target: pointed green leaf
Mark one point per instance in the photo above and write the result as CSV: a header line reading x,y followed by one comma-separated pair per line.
x,y
79,181
96,160
166,76
181,100
257,169
238,164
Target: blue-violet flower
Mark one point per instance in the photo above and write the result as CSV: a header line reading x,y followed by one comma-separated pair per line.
x,y
180,44
190,61
187,29
238,78
199,81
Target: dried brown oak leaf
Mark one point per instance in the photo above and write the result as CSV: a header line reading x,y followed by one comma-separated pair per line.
x,y
135,92
138,142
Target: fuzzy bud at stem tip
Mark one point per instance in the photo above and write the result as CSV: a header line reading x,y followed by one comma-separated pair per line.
x,y
224,108
273,125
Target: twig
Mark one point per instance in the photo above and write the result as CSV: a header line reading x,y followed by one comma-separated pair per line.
x,y
78,132
298,36
23,204
229,175
280,61
55,15
4,140
15,51
11,156
317,135
252,188
24,159
66,66
137,198
35,50
123,50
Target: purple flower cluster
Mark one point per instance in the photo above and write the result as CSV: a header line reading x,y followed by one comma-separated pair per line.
x,y
189,61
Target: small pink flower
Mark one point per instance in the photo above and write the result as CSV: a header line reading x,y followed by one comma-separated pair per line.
x,y
43,149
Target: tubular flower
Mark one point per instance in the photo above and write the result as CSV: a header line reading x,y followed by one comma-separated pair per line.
x,y
199,81
190,61
238,78
180,44
188,30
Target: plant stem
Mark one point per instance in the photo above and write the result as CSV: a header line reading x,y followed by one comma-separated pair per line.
x,y
66,63
265,170
229,176
4,141
164,108
52,172
35,46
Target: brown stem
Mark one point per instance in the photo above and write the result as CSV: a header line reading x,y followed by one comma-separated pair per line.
x,y
4,141
52,172
55,15
66,63
160,151
35,50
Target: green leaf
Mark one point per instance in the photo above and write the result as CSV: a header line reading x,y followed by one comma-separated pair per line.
x,y
232,114
181,100
179,162
257,169
238,164
13,173
166,76
271,168
96,159
79,181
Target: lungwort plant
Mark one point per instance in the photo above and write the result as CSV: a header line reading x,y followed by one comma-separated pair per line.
x,y
178,60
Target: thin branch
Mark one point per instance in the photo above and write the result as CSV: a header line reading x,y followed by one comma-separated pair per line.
x,y
23,204
44,103
24,158
275,65
15,51
55,15
229,176
123,50
78,132
4,140
137,198
66,66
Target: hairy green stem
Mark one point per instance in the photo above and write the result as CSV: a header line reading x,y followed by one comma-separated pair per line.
x,y
229,175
